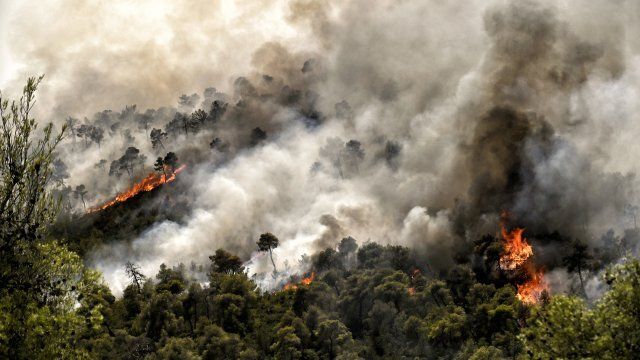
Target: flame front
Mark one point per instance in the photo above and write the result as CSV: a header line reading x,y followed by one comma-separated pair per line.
x,y
149,183
516,252
516,249
531,291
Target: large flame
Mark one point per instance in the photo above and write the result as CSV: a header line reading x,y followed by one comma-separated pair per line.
x,y
516,249
531,291
149,183
516,252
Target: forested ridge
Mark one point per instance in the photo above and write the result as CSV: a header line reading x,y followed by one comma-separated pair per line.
x,y
360,300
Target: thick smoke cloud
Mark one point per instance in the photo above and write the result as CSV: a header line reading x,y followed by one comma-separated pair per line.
x,y
412,122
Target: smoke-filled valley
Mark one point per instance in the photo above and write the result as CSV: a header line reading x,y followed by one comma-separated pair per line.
x,y
461,153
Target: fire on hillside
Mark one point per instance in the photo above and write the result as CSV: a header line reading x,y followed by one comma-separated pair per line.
x,y
149,183
516,256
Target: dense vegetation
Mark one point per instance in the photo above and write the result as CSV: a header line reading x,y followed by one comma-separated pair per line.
x,y
368,302
365,301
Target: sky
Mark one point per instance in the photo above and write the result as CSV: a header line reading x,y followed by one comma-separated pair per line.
x,y
7,65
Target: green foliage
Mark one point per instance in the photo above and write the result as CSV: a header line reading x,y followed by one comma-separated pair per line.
x,y
372,313
333,337
47,297
567,328
25,168
617,313
225,262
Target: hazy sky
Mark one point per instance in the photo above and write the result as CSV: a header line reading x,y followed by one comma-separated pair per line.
x,y
6,64
105,55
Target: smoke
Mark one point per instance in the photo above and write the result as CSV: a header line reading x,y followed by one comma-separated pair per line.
x,y
411,123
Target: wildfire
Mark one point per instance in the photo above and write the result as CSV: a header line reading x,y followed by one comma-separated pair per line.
x,y
305,281
516,252
531,291
149,183
308,280
516,249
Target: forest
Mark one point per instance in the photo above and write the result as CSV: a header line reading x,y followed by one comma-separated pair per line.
x,y
319,179
357,300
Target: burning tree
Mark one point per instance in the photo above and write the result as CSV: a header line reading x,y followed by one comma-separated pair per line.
x,y
516,255
170,162
159,166
516,249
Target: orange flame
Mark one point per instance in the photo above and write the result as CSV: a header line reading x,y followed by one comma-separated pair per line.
x,y
412,291
289,286
516,249
531,291
308,280
149,183
305,281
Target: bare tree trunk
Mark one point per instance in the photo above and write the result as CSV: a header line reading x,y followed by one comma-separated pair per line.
x,y
272,262
206,304
584,291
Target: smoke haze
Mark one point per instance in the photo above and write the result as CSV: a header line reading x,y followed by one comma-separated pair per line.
x,y
401,122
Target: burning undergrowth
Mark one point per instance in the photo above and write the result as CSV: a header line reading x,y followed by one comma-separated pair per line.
x,y
294,283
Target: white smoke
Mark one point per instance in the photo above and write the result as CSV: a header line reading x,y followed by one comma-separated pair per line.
x,y
414,73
